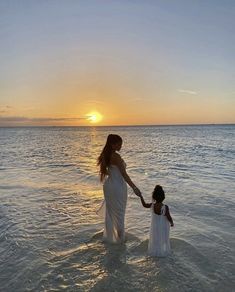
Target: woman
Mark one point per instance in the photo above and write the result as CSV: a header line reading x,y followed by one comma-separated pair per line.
x,y
113,174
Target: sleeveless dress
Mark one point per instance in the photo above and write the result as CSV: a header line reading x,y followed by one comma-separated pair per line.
x,y
159,242
115,199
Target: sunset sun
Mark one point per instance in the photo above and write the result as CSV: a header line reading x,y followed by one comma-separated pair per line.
x,y
94,117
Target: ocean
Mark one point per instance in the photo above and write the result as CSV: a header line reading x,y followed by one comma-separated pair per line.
x,y
51,236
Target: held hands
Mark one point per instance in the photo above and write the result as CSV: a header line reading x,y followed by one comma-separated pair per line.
x,y
137,192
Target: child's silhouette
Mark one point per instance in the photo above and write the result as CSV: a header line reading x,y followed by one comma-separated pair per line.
x,y
159,242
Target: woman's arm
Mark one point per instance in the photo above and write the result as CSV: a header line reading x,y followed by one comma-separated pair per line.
x,y
116,159
146,205
168,215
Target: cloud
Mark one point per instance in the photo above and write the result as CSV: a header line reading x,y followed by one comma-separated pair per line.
x,y
94,101
17,119
187,91
137,99
5,108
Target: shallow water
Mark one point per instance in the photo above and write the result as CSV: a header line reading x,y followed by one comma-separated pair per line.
x,y
50,235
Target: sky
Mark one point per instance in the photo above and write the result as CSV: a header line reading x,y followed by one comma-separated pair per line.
x,y
126,62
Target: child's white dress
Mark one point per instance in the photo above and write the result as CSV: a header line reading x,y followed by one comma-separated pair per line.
x,y
159,242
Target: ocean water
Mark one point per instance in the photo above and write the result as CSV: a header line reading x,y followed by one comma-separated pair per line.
x,y
51,236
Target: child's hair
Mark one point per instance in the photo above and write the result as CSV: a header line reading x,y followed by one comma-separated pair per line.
x,y
158,194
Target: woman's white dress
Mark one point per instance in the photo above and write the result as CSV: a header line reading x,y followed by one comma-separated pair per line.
x,y
115,199
159,242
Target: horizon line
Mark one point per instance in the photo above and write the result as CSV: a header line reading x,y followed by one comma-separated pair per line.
x,y
100,126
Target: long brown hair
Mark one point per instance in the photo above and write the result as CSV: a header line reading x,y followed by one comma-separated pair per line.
x,y
104,159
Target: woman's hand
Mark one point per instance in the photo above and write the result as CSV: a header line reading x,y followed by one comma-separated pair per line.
x,y
137,192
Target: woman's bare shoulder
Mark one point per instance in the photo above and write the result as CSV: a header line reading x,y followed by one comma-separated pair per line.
x,y
115,158
115,155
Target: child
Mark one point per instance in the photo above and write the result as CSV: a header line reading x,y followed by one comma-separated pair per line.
x,y
159,243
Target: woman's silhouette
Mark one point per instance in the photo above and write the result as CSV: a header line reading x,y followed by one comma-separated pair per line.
x,y
113,174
